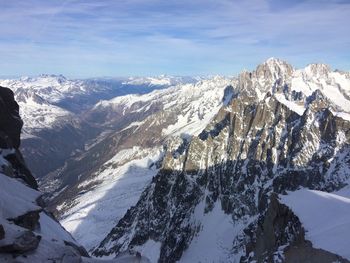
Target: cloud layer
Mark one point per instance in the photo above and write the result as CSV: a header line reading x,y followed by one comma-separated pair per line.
x,y
148,37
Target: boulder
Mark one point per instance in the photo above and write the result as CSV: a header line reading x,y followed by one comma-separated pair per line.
x,y
25,242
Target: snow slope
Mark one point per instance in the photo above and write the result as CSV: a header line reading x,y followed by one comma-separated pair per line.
x,y
119,183
162,80
325,217
16,199
212,243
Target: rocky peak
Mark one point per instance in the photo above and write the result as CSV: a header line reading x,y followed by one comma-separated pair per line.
x,y
269,76
274,69
318,70
251,149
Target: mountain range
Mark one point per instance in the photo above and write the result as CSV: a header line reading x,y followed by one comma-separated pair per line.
x,y
248,168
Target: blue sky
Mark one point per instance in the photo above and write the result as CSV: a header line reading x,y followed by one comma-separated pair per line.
x,y
85,38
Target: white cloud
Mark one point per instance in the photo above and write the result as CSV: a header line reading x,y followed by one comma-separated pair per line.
x,y
156,35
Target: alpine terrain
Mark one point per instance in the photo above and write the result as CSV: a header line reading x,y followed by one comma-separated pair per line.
x,y
248,168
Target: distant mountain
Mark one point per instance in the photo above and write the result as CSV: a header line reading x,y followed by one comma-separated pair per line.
x,y
53,109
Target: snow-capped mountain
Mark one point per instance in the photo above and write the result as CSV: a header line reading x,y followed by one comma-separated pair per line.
x,y
162,80
37,98
280,129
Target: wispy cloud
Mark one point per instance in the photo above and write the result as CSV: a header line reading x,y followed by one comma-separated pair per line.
x,y
141,37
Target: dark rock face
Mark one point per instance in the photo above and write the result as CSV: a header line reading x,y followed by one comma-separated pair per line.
x,y
29,220
304,252
10,131
277,227
10,121
252,149
2,232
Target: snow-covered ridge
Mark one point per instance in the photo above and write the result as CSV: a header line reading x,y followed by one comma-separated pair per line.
x,y
325,216
292,87
194,104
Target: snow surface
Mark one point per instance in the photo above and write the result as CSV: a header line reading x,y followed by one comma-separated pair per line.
x,y
24,198
151,250
212,243
122,180
17,199
325,217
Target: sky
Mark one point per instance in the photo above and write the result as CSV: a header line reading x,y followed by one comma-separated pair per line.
x,y
85,38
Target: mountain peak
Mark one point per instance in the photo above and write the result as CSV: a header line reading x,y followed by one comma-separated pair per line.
x,y
274,68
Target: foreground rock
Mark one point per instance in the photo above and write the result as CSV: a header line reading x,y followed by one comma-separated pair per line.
x,y
27,232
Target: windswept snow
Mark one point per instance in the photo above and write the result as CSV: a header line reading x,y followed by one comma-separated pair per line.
x,y
325,217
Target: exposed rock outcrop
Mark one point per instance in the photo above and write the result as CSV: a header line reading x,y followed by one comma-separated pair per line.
x,y
10,130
